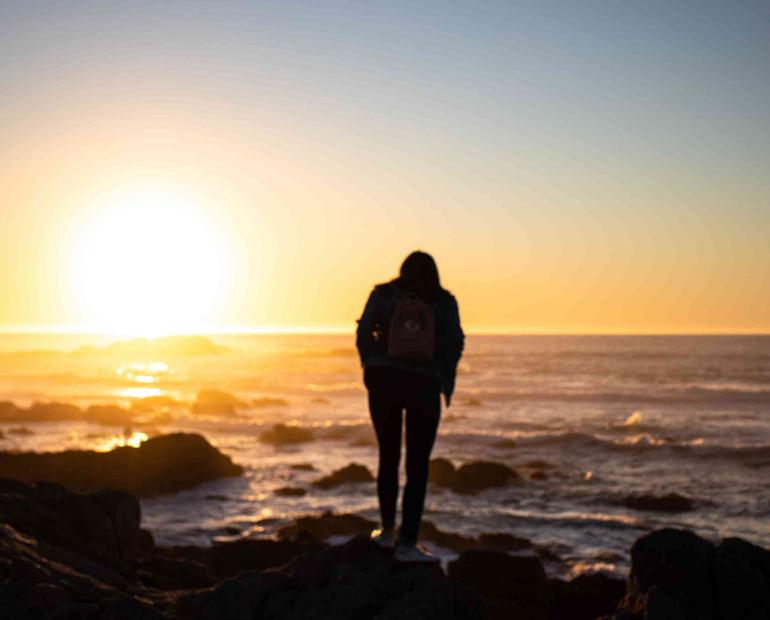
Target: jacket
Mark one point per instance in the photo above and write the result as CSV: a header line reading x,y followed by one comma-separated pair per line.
x,y
450,339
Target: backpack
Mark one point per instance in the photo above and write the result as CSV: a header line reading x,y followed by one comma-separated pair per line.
x,y
412,329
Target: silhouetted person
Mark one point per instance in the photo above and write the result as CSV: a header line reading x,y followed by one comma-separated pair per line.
x,y
410,340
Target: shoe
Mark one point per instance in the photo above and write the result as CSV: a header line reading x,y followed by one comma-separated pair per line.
x,y
414,554
384,538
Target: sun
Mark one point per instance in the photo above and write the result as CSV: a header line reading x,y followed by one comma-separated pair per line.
x,y
150,262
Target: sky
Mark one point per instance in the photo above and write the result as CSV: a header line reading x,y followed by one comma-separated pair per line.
x,y
573,167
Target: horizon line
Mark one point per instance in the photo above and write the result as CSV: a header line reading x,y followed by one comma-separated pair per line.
x,y
287,330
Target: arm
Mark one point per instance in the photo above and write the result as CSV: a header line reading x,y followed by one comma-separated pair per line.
x,y
365,338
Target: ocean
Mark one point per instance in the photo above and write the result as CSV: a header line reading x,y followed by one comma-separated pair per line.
x,y
586,420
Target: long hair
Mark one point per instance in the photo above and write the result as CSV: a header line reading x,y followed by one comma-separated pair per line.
x,y
419,274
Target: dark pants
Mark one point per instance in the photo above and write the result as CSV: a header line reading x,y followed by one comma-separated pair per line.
x,y
391,391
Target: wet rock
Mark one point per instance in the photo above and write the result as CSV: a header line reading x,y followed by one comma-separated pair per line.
x,y
238,598
586,597
46,596
283,434
441,472
302,467
322,527
503,542
481,475
163,464
216,403
352,473
677,564
509,583
108,415
290,492
671,502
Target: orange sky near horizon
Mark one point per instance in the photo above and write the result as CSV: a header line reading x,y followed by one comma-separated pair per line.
x,y
195,173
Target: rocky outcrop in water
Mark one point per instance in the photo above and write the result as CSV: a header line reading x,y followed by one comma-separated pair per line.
x,y
163,464
354,472
670,502
470,477
285,434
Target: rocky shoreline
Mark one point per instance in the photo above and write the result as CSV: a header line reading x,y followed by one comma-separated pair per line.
x,y
72,546
65,554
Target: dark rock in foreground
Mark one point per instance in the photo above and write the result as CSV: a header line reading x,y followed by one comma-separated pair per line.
x,y
671,502
163,464
676,574
71,555
350,473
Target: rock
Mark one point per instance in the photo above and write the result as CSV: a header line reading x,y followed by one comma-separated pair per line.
x,y
516,582
741,573
46,596
350,473
302,467
123,606
441,472
327,525
481,475
234,599
109,415
217,403
290,492
671,502
163,464
538,475
503,542
678,564
283,434
586,597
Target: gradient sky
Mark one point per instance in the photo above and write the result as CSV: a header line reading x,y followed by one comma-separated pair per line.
x,y
593,166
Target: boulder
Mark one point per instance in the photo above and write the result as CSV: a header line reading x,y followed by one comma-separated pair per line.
x,y
514,583
678,564
163,464
670,502
284,434
441,472
216,403
354,472
482,475
586,597
290,492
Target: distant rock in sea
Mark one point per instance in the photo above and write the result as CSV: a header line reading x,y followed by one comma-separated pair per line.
x,y
471,477
105,415
670,502
286,434
163,464
354,472
157,348
216,403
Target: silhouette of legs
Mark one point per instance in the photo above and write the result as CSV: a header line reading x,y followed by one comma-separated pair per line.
x,y
388,429
392,390
422,418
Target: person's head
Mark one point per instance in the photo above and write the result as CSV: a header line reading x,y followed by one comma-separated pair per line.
x,y
420,274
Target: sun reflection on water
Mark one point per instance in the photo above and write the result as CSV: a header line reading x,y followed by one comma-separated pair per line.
x,y
131,440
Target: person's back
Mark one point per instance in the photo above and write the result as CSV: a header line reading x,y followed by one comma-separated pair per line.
x,y
409,340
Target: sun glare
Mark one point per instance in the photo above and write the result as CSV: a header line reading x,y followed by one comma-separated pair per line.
x,y
150,262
